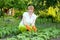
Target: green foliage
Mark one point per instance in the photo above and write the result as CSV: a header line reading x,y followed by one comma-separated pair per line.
x,y
57,19
50,13
44,34
10,27
38,5
43,14
20,4
18,13
51,2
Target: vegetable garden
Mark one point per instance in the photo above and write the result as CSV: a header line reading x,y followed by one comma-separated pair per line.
x,y
9,30
47,23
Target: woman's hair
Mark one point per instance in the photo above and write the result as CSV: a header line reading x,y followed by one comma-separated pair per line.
x,y
31,7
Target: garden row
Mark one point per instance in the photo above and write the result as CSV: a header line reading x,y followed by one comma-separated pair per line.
x,y
45,34
8,26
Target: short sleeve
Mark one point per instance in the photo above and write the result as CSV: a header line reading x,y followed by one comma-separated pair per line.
x,y
24,14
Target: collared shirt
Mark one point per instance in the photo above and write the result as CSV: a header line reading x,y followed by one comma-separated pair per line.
x,y
27,19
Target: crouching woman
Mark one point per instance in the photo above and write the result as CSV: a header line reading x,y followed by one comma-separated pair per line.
x,y
28,20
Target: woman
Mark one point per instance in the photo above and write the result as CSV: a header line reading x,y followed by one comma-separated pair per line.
x,y
29,19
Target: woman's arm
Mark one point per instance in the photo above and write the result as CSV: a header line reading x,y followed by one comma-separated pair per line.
x,y
34,19
33,23
33,26
25,19
25,23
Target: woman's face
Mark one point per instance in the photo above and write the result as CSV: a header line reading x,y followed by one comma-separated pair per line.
x,y
30,10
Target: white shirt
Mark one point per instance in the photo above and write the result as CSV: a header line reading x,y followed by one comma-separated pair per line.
x,y
27,19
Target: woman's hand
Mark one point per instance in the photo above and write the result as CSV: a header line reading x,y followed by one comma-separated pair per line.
x,y
34,28
28,27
